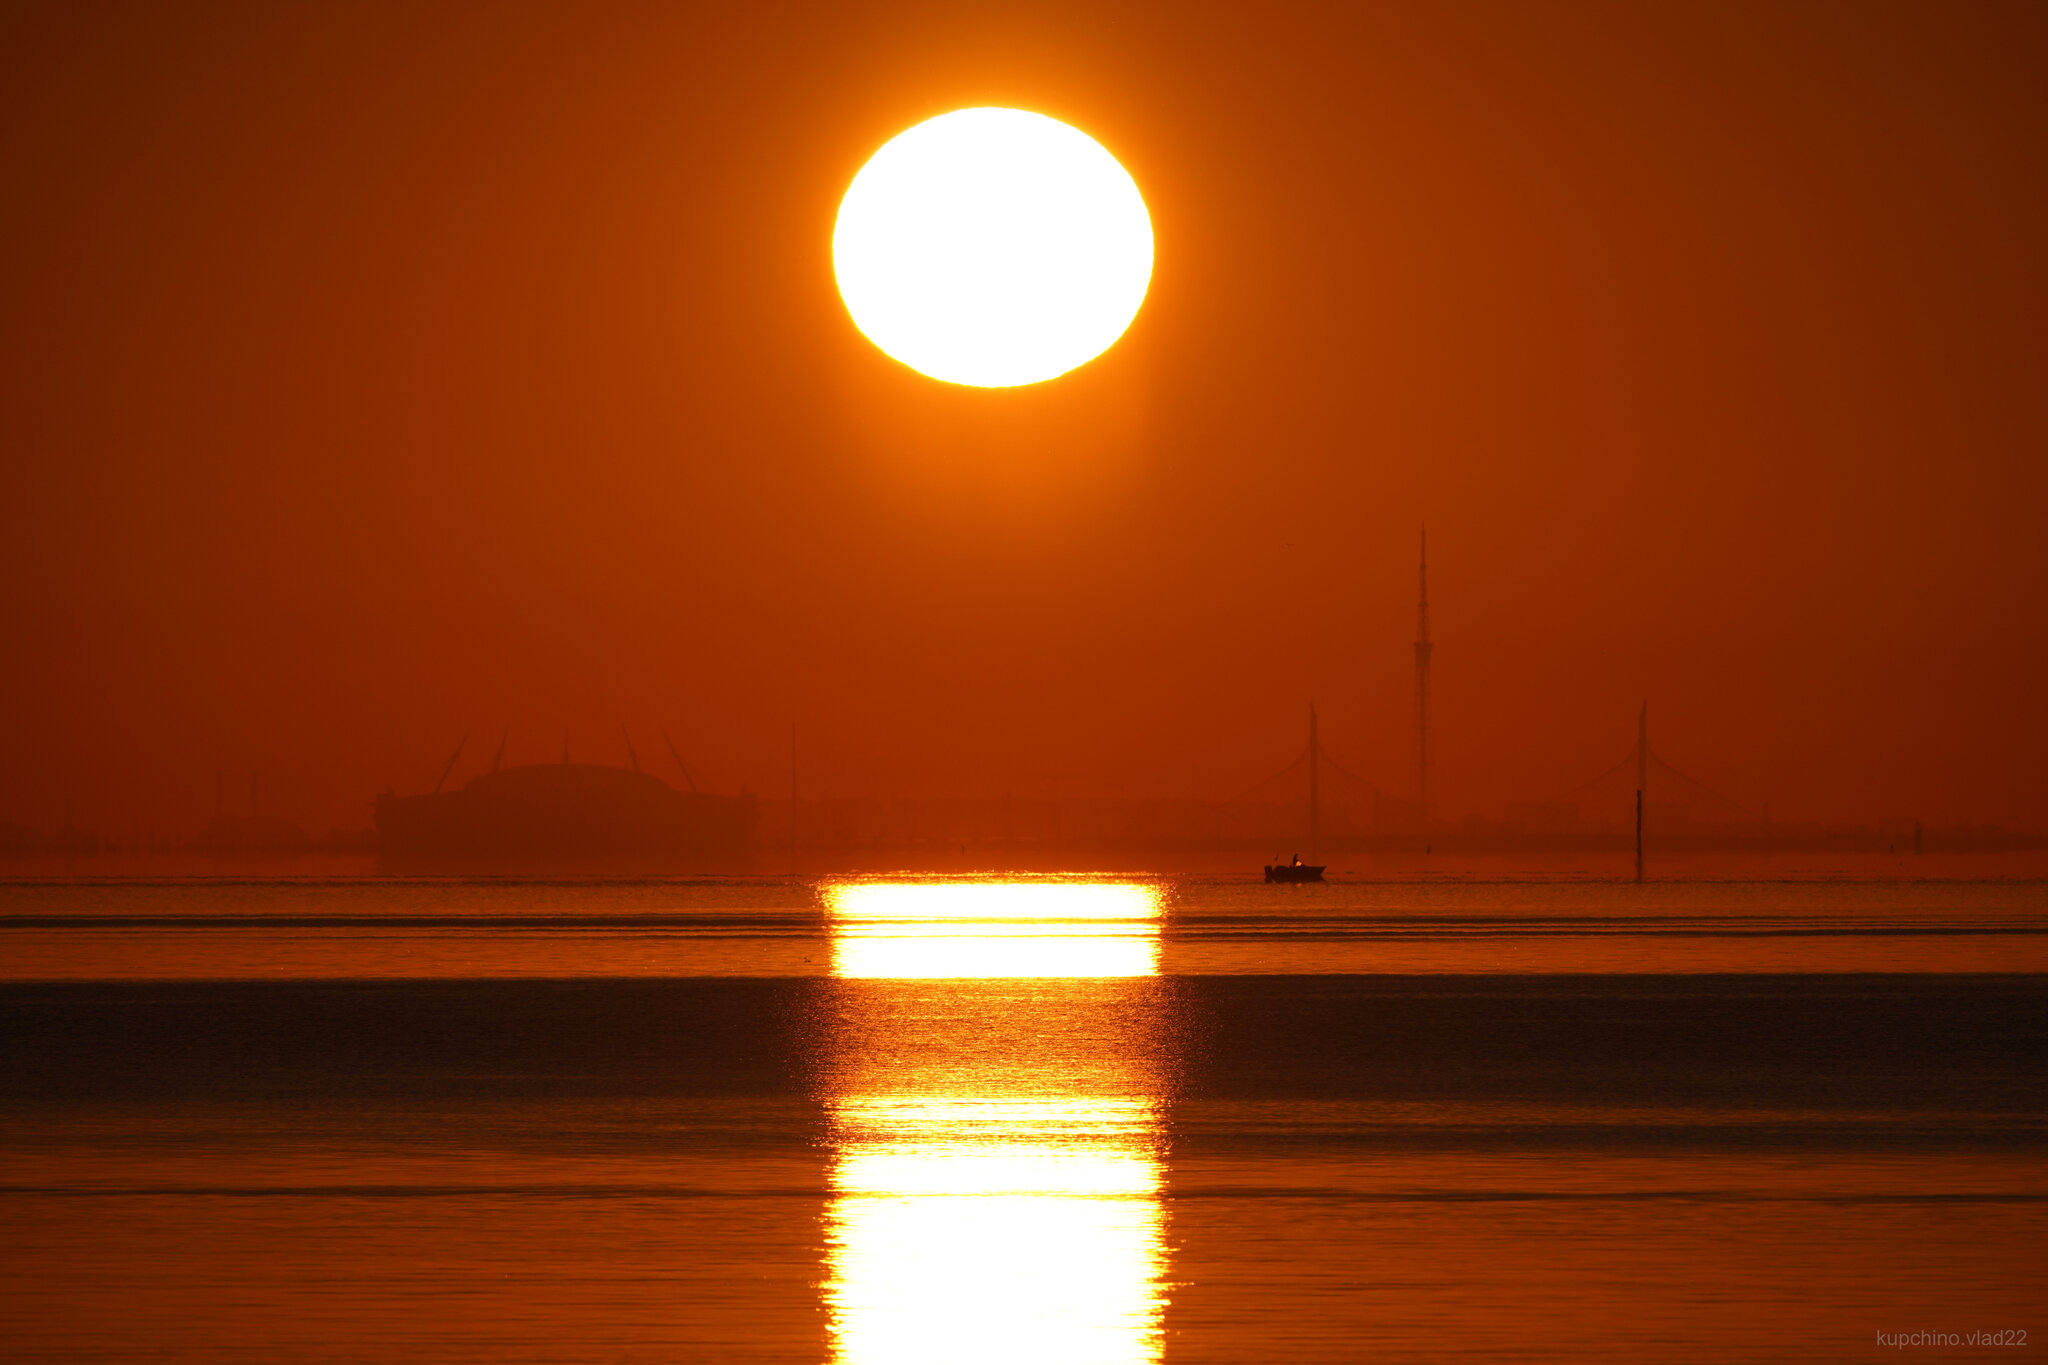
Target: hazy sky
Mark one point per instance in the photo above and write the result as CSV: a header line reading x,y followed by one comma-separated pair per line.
x,y
377,373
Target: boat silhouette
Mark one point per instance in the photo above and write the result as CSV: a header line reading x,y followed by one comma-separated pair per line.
x,y
1296,871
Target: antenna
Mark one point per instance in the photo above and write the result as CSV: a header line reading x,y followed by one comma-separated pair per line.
x,y
679,760
630,751
448,768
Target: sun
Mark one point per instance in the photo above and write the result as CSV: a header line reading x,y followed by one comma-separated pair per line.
x,y
993,247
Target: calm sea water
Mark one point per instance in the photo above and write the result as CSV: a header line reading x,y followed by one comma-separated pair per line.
x,y
1082,1120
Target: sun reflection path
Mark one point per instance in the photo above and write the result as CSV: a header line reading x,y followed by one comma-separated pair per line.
x,y
1007,1212
905,930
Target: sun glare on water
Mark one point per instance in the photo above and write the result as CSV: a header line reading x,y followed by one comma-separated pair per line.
x,y
1028,1231
993,247
995,1123
902,930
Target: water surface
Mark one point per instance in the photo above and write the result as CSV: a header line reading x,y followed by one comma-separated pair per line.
x,y
1105,1119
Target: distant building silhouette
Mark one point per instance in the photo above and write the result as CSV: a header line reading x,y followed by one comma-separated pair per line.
x,y
567,811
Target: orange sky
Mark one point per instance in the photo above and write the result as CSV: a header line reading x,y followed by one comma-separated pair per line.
x,y
377,373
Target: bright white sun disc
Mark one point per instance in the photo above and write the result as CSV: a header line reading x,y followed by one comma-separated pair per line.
x,y
993,247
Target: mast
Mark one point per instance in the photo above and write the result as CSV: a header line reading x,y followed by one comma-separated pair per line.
x,y
1315,806
1422,653
1642,778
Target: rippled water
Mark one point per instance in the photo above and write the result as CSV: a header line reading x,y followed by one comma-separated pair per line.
x,y
1115,1120
439,928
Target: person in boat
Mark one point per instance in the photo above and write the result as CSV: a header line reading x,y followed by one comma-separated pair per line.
x,y
1297,861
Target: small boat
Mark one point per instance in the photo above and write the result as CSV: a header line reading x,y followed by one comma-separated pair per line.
x,y
1294,872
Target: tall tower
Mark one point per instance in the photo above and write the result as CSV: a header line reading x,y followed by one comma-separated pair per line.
x,y
1422,650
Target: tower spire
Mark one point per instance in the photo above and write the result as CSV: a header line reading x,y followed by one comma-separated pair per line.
x,y
1643,746
1422,652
